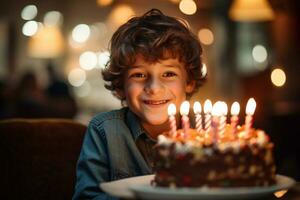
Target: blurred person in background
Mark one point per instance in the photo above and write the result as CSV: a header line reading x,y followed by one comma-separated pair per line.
x,y
29,97
60,101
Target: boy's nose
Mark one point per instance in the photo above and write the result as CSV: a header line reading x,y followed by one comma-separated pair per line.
x,y
153,86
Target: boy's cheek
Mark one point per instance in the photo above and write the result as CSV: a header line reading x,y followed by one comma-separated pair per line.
x,y
131,90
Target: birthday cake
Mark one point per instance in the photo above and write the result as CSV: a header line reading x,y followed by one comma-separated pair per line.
x,y
237,156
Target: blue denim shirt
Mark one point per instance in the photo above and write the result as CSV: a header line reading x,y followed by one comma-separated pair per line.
x,y
109,153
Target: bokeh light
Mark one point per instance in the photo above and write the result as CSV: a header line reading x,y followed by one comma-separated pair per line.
x,y
206,36
81,33
120,15
30,28
259,53
278,77
88,60
76,77
53,18
280,193
29,12
103,58
188,7
104,2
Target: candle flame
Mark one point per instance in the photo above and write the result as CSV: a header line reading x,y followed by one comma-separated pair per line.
x,y
207,106
197,107
204,70
224,108
250,107
235,108
217,109
171,109
184,108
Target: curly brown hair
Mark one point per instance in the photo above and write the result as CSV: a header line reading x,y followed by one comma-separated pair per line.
x,y
155,36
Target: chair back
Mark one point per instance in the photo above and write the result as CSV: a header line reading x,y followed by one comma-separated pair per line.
x,y
38,158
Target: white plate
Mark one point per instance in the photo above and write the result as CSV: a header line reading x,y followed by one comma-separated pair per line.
x,y
120,188
140,187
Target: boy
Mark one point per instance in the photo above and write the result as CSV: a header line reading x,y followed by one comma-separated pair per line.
x,y
155,60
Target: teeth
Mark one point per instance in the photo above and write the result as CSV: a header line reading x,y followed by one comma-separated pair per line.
x,y
156,102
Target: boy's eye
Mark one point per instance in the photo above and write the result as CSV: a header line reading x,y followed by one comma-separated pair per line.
x,y
138,75
169,74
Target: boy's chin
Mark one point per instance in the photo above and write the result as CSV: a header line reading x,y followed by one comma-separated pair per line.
x,y
156,121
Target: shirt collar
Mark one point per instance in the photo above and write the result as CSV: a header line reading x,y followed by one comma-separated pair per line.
x,y
134,125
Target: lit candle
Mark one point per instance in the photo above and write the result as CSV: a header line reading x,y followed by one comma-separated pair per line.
x,y
207,117
172,120
197,111
184,111
216,114
250,108
223,118
234,119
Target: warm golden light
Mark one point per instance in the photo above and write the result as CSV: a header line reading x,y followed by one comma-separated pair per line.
x,y
53,18
197,107
250,107
235,108
175,1
280,193
120,15
48,42
206,36
185,108
207,106
251,10
104,2
188,7
171,109
278,77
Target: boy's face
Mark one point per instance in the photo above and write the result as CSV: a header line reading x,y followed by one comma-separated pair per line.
x,y
150,88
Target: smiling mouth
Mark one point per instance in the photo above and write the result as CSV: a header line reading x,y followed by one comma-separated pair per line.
x,y
151,102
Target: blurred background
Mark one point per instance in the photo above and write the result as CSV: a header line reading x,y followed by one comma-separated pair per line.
x,y
52,52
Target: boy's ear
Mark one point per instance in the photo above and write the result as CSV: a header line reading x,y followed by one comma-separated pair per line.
x,y
190,87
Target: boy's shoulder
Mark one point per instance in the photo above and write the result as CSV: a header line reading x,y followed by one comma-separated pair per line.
x,y
118,114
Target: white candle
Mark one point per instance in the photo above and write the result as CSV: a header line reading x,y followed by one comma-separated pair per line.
x,y
184,111
207,117
223,118
234,119
216,114
250,108
197,111
172,120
